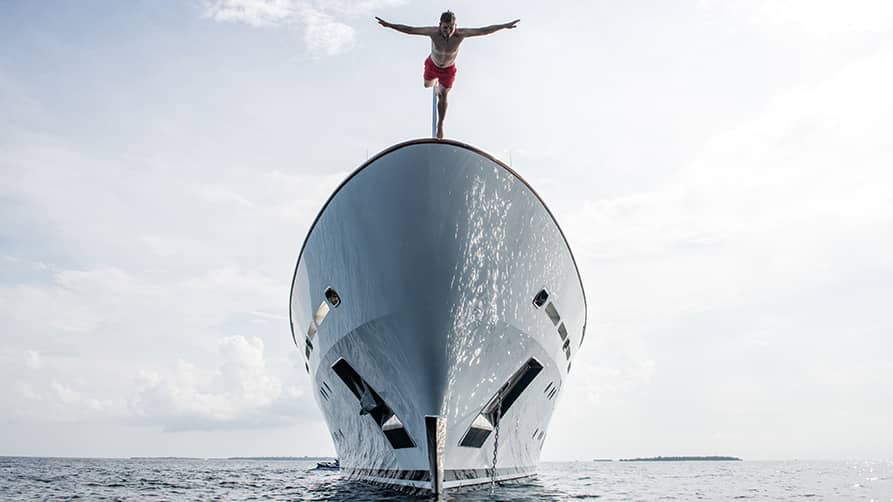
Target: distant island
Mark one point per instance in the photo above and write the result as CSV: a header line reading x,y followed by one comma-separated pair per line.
x,y
166,458
680,459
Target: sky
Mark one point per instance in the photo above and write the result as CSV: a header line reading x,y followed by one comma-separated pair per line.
x,y
721,169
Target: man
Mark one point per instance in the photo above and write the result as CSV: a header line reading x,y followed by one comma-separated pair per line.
x,y
440,66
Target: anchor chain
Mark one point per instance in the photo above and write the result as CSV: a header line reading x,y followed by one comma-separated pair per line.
x,y
496,441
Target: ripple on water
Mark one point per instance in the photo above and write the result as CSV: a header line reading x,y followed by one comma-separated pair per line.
x,y
148,479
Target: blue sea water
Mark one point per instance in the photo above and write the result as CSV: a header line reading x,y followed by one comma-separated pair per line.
x,y
31,478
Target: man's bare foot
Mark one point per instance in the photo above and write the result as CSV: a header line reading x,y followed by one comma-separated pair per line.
x,y
439,131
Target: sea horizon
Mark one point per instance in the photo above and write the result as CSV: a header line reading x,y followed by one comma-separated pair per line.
x,y
668,458
54,478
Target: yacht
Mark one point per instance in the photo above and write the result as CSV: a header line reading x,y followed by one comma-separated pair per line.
x,y
438,308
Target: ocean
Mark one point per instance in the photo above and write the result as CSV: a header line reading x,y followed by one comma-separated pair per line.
x,y
33,478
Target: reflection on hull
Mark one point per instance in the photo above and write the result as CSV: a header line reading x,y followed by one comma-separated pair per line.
x,y
438,308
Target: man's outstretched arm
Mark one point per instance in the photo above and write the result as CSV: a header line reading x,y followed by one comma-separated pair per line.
x,y
486,30
409,30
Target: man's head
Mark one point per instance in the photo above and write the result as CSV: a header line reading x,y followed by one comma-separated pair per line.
x,y
447,24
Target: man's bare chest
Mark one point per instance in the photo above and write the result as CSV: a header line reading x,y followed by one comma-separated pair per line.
x,y
446,45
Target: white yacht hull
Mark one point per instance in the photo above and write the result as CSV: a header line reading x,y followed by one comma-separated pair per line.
x,y
413,303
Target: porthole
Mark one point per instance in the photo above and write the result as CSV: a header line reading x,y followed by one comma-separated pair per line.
x,y
332,297
552,312
541,298
321,312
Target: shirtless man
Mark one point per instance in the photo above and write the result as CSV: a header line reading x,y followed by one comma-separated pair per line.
x,y
440,66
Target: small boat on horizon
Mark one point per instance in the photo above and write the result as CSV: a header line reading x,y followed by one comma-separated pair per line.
x,y
331,465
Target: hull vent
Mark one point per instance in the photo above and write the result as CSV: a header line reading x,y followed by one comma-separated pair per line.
x,y
510,391
373,405
395,432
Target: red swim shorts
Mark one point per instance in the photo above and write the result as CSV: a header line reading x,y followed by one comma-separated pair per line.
x,y
445,76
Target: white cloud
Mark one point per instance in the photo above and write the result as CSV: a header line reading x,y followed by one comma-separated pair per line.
x,y
112,294
82,299
779,209
806,16
65,394
598,383
312,190
785,196
252,12
323,35
27,391
81,281
167,245
220,194
356,7
232,285
59,401
266,316
32,360
240,392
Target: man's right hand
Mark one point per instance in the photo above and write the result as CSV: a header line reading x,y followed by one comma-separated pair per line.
x,y
383,22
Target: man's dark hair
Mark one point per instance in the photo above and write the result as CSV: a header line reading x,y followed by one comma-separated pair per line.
x,y
448,17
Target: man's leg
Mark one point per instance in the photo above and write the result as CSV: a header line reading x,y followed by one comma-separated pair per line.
x,y
429,83
441,109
